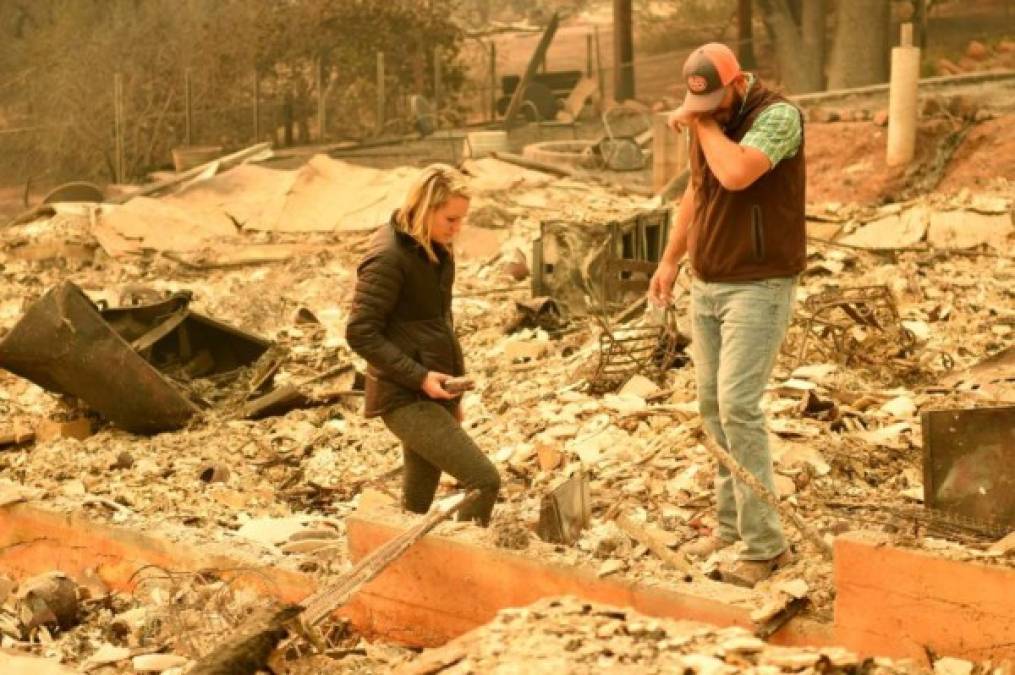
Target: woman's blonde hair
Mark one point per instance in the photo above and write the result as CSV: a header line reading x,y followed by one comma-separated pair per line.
x,y
433,188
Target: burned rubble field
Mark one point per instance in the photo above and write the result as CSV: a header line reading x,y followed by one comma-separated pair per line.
x,y
567,635
845,426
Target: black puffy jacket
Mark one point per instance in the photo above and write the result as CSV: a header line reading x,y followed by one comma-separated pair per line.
x,y
401,321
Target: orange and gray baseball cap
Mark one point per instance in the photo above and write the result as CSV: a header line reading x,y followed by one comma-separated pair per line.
x,y
707,71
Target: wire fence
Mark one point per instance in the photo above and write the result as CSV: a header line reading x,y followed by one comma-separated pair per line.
x,y
132,132
131,129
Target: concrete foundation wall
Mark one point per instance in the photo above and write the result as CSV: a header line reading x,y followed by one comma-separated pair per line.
x,y
889,601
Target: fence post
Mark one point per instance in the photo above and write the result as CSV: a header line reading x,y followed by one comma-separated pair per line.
x,y
322,112
902,99
600,75
380,92
588,55
118,125
257,106
493,80
188,103
437,86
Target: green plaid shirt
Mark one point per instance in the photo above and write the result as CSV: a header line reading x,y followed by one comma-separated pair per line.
x,y
777,131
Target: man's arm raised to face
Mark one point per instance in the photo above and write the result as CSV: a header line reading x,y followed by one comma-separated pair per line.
x,y
735,166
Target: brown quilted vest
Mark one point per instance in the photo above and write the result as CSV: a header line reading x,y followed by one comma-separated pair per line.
x,y
755,233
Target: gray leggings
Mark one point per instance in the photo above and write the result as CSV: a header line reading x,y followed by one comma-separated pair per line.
x,y
433,441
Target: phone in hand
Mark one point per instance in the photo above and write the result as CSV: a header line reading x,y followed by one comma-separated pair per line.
x,y
457,385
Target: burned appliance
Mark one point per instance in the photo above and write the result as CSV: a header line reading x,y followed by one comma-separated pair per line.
x,y
596,268
969,465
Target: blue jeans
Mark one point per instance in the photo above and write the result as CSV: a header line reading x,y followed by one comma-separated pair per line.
x,y
737,329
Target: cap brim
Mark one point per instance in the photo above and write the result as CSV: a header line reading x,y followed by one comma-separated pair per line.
x,y
704,102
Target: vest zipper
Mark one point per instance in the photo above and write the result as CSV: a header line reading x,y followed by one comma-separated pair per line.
x,y
757,233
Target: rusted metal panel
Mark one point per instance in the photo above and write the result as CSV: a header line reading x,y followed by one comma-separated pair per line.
x,y
178,341
565,511
115,360
969,463
63,345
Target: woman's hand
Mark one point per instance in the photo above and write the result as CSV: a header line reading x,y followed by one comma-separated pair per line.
x,y
433,386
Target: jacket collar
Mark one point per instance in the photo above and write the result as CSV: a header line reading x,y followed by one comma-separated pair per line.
x,y
754,96
408,240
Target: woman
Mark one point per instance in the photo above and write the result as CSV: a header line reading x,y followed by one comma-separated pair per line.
x,y
401,324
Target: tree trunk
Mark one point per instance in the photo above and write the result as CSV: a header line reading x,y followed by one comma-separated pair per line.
x,y
796,10
920,23
812,29
287,120
860,54
800,68
745,35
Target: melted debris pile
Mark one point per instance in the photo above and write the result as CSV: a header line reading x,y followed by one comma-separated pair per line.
x,y
565,635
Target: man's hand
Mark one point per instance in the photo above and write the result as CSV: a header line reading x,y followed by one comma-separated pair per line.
x,y
660,288
433,386
682,117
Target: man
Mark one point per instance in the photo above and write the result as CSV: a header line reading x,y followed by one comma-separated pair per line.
x,y
741,221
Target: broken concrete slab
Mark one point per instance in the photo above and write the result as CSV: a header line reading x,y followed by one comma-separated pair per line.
x,y
251,195
157,663
105,655
478,243
525,350
273,531
900,230
639,386
146,223
493,175
967,229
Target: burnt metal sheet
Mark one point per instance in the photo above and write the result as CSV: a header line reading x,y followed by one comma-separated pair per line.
x,y
565,511
66,344
992,376
969,463
63,345
183,343
77,191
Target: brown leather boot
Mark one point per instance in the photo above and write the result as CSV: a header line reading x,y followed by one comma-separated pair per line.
x,y
748,573
703,547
